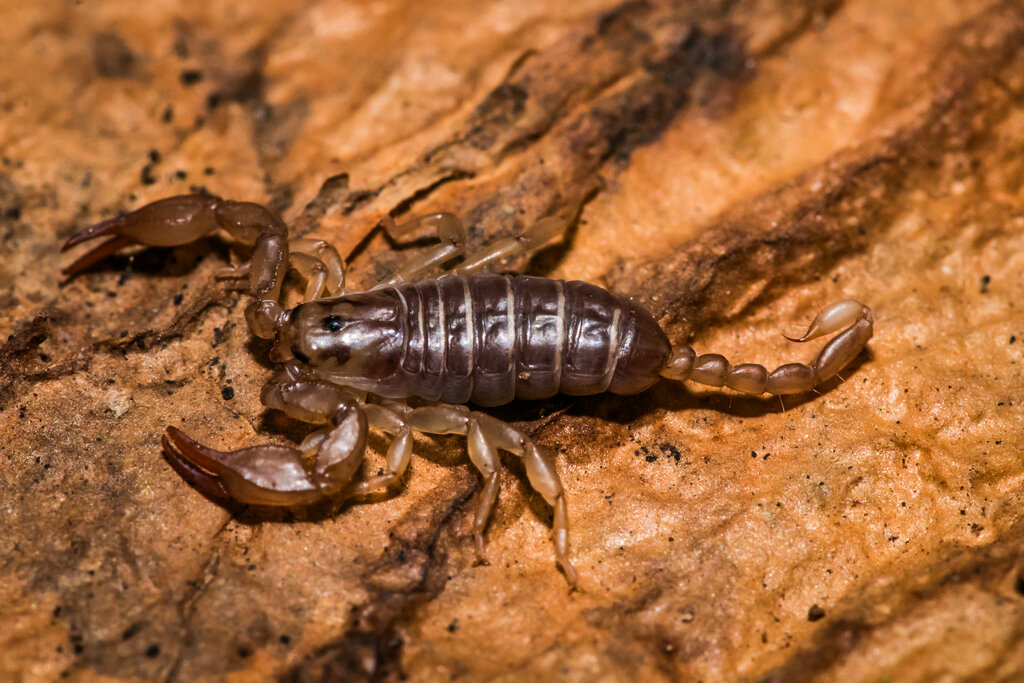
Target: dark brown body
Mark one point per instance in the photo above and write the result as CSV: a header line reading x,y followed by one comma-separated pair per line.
x,y
486,339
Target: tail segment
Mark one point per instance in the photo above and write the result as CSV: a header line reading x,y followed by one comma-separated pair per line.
x,y
852,317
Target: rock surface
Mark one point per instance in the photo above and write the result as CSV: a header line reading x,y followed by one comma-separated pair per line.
x,y
733,166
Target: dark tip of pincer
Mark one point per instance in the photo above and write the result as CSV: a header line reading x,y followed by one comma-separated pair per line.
x,y
93,231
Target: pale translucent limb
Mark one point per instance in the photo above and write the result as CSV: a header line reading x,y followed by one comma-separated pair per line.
x,y
399,452
321,265
533,238
451,233
484,456
487,436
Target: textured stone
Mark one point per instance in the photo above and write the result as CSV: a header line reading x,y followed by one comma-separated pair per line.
x,y
731,166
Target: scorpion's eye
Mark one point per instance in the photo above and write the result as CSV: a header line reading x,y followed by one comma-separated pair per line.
x,y
332,323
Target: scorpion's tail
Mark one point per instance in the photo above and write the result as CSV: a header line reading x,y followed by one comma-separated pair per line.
x,y
852,317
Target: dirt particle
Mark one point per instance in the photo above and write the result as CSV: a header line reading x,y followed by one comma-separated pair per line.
x,y
112,57
190,77
815,613
670,451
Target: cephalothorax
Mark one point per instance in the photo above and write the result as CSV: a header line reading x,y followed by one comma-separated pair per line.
x,y
349,361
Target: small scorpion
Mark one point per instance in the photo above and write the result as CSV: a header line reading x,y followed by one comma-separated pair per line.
x,y
351,360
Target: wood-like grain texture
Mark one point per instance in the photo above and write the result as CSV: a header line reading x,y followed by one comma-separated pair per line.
x,y
732,166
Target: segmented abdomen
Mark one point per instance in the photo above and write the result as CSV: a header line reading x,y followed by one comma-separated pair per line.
x,y
491,338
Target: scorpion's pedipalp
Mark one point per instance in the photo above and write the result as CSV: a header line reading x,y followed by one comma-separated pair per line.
x,y
167,222
185,218
272,475
259,475
164,223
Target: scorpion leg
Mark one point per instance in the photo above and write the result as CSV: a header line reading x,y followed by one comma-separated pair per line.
x,y
399,452
450,231
321,265
531,239
852,317
484,455
481,452
486,436
277,475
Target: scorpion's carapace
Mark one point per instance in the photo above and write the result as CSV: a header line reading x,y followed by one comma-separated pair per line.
x,y
351,360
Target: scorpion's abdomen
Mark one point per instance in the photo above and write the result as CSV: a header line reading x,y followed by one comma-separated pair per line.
x,y
493,338
611,343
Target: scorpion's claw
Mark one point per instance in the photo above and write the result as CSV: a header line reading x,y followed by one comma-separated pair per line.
x,y
274,475
102,228
164,223
111,246
203,481
260,475
98,253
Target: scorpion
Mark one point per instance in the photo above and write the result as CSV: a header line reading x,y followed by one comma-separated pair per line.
x,y
351,360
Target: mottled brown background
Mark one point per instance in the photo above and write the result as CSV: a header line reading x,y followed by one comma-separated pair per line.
x,y
738,163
